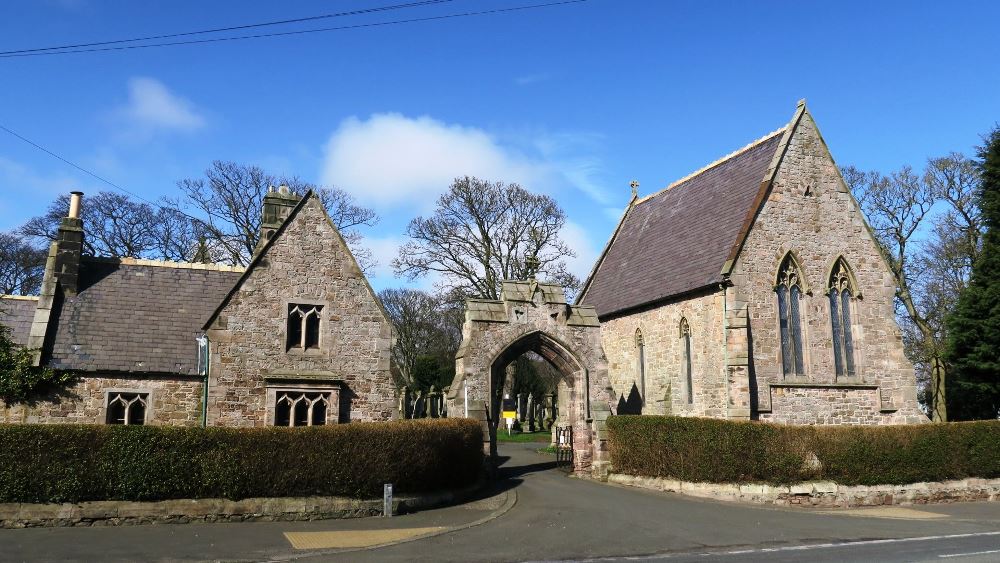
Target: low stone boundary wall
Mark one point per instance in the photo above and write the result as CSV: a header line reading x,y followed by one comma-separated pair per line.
x,y
824,493
184,511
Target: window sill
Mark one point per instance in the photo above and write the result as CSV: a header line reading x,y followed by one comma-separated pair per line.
x,y
308,352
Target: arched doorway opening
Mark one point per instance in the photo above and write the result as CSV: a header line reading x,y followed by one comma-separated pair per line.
x,y
552,351
533,317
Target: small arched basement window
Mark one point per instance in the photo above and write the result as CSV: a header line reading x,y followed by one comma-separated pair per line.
x,y
685,334
841,292
789,291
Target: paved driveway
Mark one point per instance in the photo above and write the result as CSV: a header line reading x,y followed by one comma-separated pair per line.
x,y
559,518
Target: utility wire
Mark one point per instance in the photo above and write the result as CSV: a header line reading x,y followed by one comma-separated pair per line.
x,y
105,180
233,28
300,32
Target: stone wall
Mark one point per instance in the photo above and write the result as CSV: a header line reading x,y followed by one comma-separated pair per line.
x,y
666,379
824,494
307,263
811,214
275,509
825,405
172,400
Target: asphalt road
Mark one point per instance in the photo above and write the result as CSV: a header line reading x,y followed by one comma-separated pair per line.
x,y
560,518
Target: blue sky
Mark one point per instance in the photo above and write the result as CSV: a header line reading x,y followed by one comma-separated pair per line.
x,y
573,100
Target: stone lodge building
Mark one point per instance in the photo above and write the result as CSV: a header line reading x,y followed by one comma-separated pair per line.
x,y
297,338
753,289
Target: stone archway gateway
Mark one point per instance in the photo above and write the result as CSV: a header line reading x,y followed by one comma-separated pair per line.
x,y
535,317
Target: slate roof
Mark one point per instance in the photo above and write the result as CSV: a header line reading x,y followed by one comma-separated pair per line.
x,y
17,313
678,240
137,315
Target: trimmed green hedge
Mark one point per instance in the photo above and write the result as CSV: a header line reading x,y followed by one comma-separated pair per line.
x,y
721,451
72,463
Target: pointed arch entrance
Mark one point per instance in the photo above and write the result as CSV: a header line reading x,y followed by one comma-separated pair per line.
x,y
535,317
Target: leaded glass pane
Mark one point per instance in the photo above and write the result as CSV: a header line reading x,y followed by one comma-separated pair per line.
x,y
319,413
796,330
687,367
312,330
301,412
838,359
294,327
137,412
845,299
786,343
116,411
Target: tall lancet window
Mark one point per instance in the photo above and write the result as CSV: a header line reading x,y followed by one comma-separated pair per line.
x,y
685,334
640,348
789,290
841,292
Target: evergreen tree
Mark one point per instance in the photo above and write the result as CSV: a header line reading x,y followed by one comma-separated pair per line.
x,y
973,347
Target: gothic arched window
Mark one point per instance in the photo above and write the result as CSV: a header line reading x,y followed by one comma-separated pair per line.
x,y
685,334
789,290
640,348
841,292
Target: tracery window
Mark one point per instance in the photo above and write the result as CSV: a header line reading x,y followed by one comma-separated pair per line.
x,y
126,408
789,290
303,326
640,347
301,408
841,292
685,333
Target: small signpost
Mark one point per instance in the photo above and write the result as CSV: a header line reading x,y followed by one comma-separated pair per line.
x,y
509,413
387,500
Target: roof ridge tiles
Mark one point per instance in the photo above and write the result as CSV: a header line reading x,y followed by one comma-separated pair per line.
x,y
167,264
715,163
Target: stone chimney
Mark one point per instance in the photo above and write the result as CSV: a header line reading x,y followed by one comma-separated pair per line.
x,y
278,203
69,246
62,270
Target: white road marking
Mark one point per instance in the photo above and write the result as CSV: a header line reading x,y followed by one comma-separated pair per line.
x,y
967,554
806,547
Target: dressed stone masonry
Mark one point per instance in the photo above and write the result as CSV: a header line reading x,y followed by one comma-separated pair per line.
x,y
535,317
754,289
164,336
303,262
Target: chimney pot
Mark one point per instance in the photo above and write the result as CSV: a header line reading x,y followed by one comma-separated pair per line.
x,y
74,204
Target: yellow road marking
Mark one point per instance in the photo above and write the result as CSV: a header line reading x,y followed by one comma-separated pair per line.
x,y
353,538
889,512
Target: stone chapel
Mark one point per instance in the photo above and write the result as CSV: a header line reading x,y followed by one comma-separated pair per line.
x,y
753,289
297,338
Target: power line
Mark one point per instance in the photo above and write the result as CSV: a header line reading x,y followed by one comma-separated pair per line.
x,y
233,28
105,180
301,32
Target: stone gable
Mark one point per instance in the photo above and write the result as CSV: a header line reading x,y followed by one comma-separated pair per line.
x,y
810,213
307,262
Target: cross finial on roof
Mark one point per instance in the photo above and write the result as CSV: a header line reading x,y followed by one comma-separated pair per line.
x,y
634,184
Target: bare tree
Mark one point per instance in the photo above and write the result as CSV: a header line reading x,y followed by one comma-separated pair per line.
x,y
929,231
230,196
483,233
22,265
420,327
119,226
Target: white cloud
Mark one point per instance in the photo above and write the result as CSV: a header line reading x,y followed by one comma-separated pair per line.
x,y
390,160
151,107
